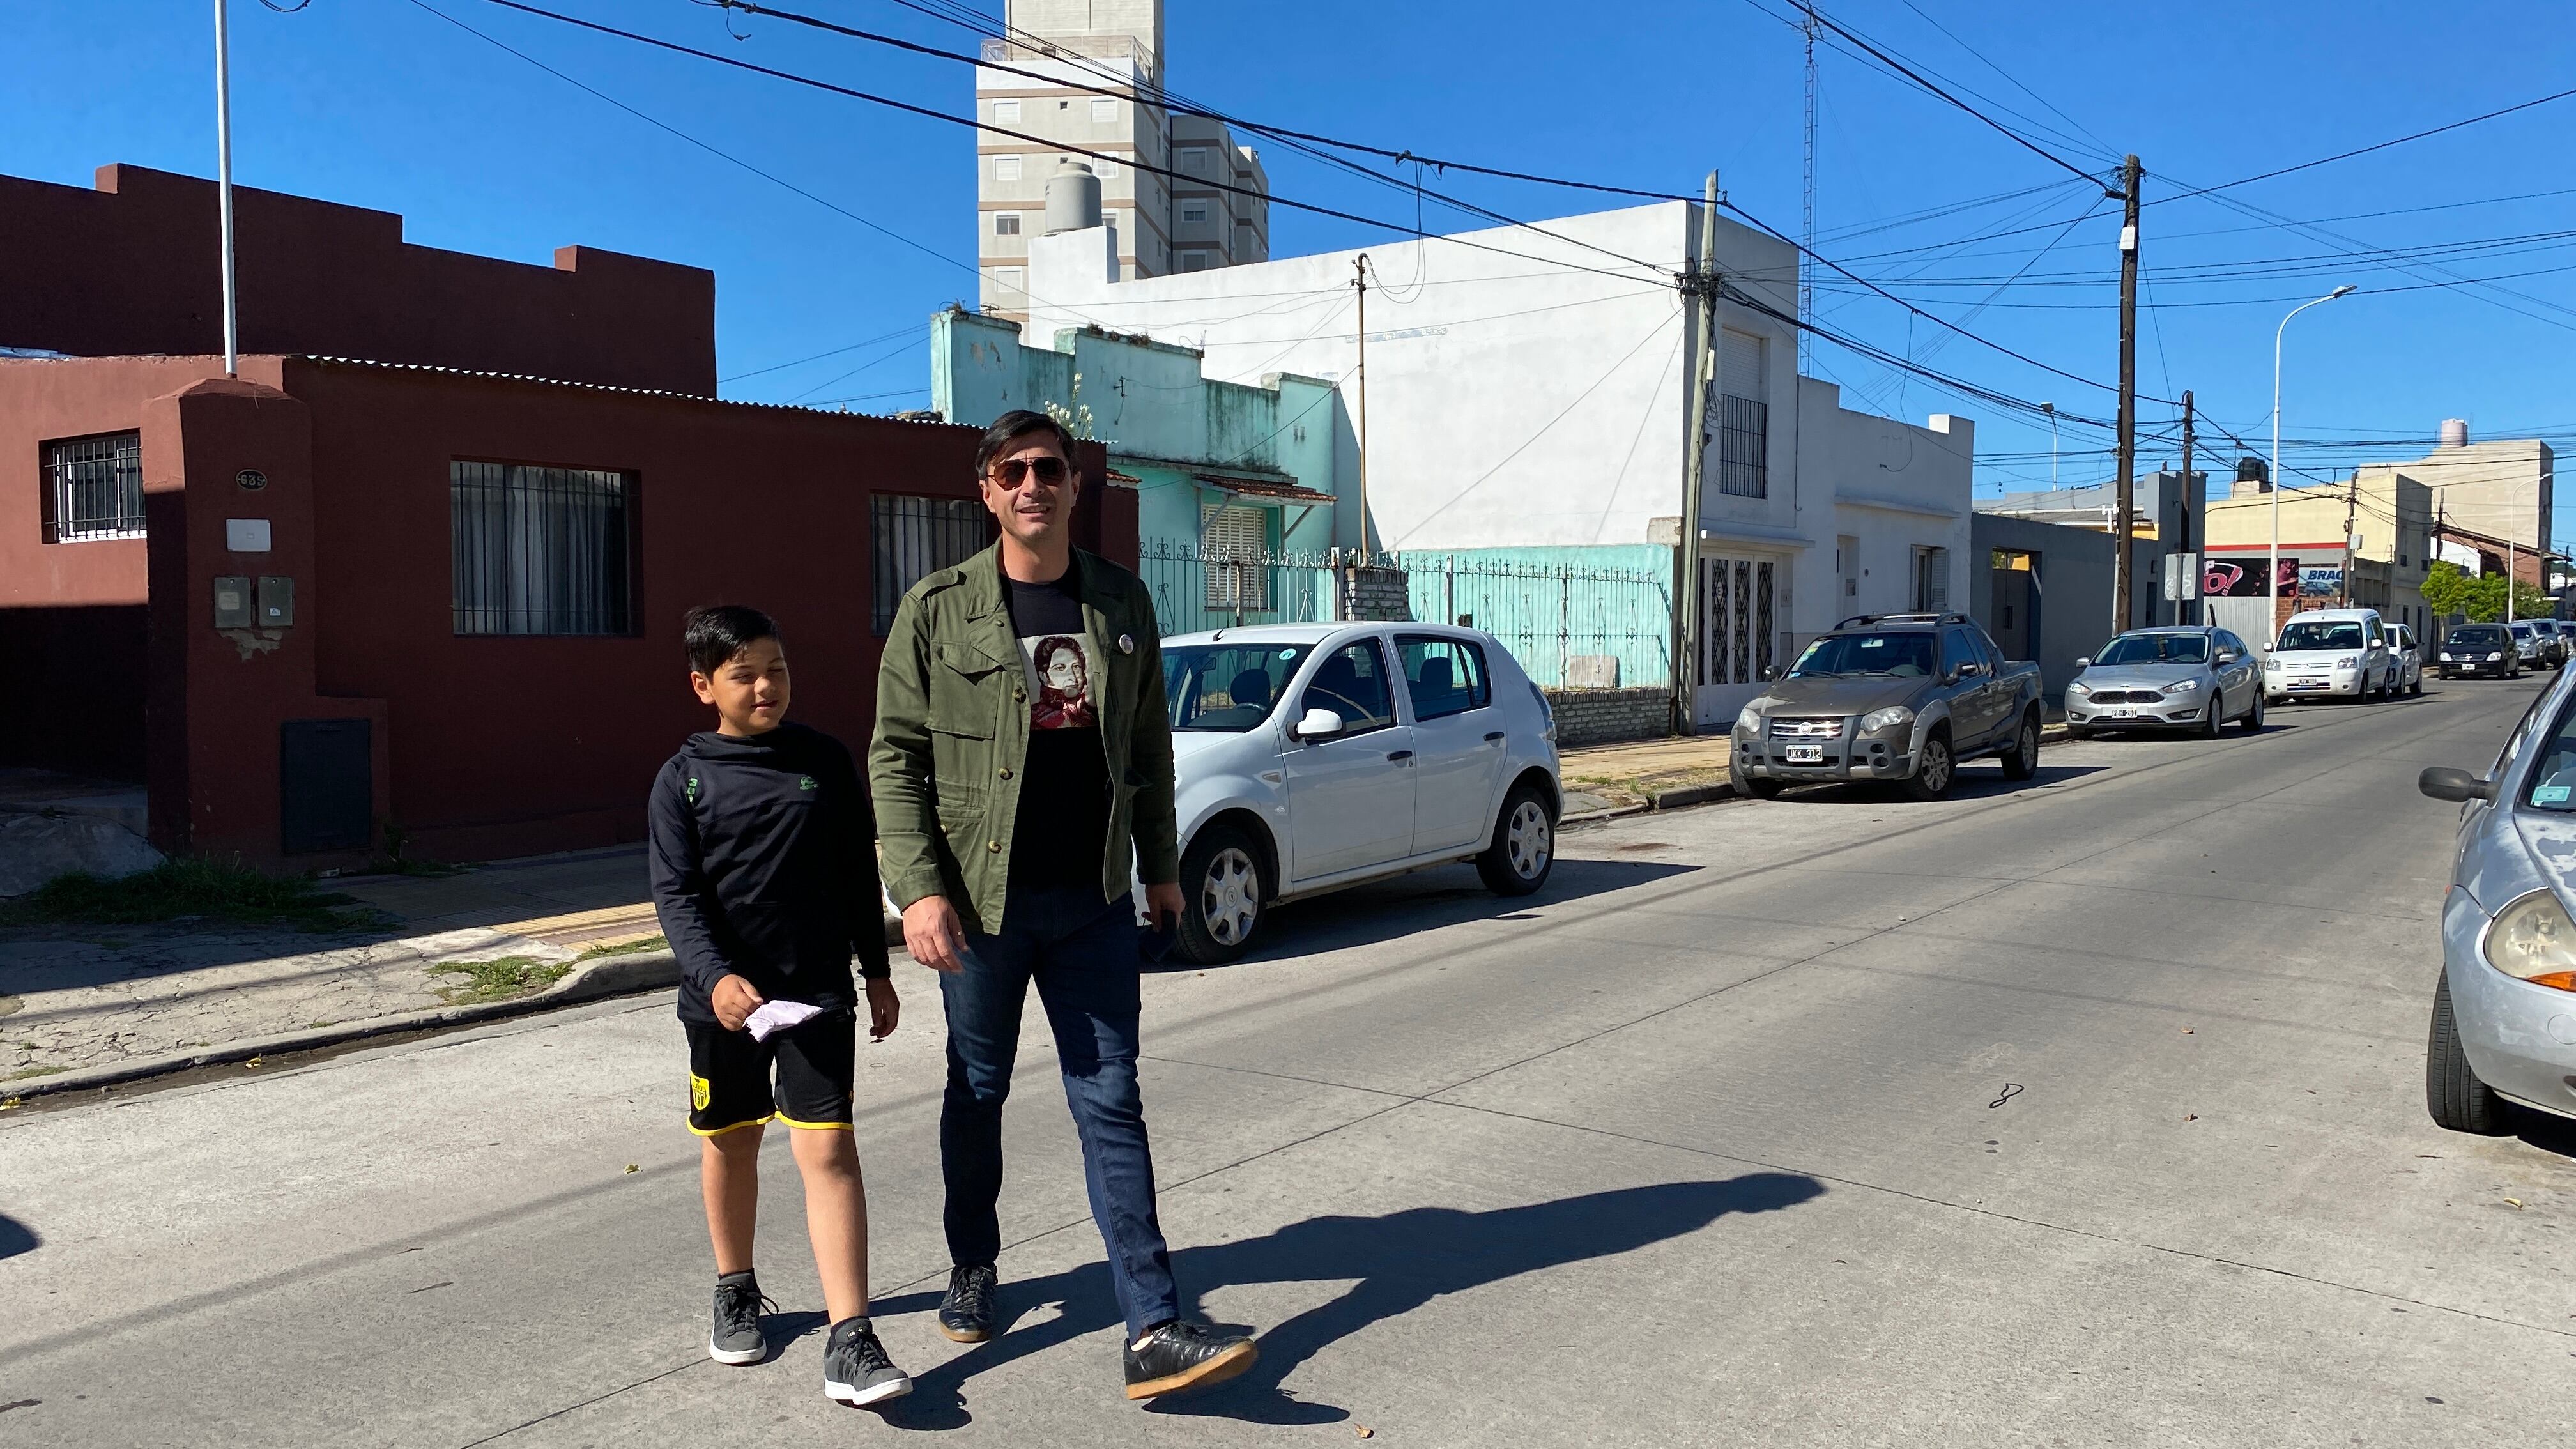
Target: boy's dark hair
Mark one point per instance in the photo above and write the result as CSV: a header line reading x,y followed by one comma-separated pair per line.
x,y
1010,427
714,633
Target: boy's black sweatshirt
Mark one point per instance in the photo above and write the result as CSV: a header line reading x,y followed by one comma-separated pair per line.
x,y
764,866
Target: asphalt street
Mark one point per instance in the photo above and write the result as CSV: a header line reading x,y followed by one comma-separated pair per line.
x,y
2082,1111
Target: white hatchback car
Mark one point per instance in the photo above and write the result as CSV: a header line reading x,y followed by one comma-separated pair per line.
x,y
1314,756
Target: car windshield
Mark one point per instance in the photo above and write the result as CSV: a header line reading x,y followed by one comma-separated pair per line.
x,y
2321,634
1227,687
2486,638
2553,778
1906,655
2155,649
2524,631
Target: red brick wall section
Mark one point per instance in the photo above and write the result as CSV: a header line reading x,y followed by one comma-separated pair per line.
x,y
130,267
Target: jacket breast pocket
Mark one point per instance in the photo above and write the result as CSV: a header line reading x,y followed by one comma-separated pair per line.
x,y
966,692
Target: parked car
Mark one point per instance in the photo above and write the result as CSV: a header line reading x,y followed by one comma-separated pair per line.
x,y
2408,656
2195,678
2473,651
2535,649
2330,653
2504,1013
1314,756
2559,638
1898,697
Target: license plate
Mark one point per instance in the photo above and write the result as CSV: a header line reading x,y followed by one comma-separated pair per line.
x,y
1806,754
2124,714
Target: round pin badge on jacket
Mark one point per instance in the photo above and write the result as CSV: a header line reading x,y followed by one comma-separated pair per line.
x,y
1126,643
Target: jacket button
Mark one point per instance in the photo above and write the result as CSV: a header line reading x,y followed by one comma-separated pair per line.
x,y
1020,694
1006,772
994,846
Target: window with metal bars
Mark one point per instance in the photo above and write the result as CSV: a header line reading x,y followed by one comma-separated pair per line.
x,y
541,551
917,537
94,488
1743,447
1234,544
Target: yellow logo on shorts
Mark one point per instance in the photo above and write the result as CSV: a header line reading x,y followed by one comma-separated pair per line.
x,y
697,1092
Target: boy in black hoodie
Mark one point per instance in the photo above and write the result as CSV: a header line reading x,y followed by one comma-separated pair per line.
x,y
765,878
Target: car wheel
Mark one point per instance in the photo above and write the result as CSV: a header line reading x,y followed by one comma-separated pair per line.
x,y
1935,769
2452,1092
2216,718
2254,716
1752,787
1222,891
2416,686
1524,846
2022,760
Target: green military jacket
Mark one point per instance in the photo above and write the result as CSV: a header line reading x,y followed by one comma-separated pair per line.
x,y
952,737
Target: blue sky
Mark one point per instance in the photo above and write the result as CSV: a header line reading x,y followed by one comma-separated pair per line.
x,y
380,103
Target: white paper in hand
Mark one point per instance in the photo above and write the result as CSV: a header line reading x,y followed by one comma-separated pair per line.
x,y
777,1016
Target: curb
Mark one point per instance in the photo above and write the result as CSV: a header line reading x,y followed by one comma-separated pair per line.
x,y
607,976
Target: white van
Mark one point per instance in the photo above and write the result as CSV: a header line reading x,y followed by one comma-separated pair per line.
x,y
2336,653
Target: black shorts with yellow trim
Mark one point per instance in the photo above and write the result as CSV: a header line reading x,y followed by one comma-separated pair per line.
x,y
731,1075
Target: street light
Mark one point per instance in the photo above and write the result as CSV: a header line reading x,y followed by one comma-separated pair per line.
x,y
2050,408
2345,290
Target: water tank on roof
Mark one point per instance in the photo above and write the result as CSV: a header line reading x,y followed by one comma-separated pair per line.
x,y
1072,199
2455,432
2250,469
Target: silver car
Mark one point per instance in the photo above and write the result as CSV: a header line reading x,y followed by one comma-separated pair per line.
x,y
2406,659
2196,678
2504,1014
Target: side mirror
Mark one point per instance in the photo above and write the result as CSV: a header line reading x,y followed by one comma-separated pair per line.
x,y
1776,672
1971,670
2228,656
1318,724
2442,783
2083,664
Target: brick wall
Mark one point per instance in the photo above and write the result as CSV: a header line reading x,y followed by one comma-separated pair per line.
x,y
1376,594
1607,716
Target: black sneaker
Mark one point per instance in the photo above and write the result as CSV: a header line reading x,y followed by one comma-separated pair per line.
x,y
1181,1356
966,1314
856,1369
736,1337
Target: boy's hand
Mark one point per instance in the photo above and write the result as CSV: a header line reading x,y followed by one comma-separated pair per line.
x,y
884,1009
933,936
1163,905
734,1001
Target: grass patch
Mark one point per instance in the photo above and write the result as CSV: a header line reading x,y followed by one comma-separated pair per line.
x,y
626,948
20,1076
189,887
497,980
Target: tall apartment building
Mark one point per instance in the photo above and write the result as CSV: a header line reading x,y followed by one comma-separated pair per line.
x,y
1200,218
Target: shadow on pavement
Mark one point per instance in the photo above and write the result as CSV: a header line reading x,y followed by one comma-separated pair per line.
x,y
1401,1261
1972,784
1427,900
16,1237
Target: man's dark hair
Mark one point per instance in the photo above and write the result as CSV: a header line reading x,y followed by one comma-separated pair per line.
x,y
1010,427
714,633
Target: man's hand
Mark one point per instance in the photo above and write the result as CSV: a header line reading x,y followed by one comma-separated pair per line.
x,y
932,934
1163,905
884,1010
734,1002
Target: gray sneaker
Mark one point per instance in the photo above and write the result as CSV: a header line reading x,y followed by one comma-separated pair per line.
x,y
736,1337
856,1369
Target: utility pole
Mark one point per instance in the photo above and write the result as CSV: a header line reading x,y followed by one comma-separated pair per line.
x,y
2124,603
2192,542
1359,279
2351,507
224,184
1807,214
1699,284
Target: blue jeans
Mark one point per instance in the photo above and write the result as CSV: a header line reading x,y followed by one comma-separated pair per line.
x,y
1081,952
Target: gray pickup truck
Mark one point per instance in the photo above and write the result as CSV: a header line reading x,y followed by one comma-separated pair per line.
x,y
1901,697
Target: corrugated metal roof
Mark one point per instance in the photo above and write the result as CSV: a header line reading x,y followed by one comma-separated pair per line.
x,y
328,361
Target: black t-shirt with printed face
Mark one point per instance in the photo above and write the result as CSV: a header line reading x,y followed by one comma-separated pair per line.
x,y
1062,828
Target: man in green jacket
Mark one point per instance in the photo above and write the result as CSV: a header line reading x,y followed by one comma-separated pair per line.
x,y
1022,771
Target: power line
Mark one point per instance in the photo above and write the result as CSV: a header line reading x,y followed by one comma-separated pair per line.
x,y
2375,146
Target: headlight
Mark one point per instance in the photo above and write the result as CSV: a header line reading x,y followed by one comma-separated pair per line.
x,y
2079,687
2349,661
2182,686
1893,717
2532,939
2446,656
1750,721
2499,654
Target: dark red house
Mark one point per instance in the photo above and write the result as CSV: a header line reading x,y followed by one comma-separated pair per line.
x,y
329,598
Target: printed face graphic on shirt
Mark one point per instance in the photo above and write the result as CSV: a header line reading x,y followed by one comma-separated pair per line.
x,y
1059,669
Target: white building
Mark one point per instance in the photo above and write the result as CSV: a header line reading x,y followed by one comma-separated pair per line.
x,y
1525,397
1070,51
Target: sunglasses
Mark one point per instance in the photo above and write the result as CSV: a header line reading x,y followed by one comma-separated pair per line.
x,y
1012,472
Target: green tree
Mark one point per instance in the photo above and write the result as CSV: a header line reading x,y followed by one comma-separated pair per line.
x,y
2447,587
2450,589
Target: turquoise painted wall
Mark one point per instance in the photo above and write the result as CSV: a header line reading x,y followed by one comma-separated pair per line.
x,y
1548,603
